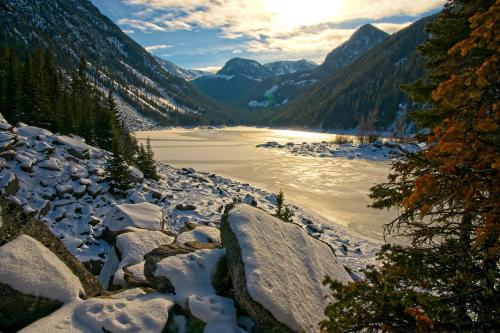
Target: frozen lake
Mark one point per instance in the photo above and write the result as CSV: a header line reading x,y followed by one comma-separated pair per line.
x,y
334,189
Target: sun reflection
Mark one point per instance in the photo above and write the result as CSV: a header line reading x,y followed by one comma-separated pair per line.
x,y
301,135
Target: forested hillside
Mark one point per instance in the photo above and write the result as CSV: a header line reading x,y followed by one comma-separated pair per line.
x,y
371,83
34,91
75,29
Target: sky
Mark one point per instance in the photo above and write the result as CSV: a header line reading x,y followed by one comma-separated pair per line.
x,y
204,34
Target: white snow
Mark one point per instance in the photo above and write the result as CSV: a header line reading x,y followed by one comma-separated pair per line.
x,y
134,245
32,269
191,275
49,164
377,151
200,234
141,215
285,267
72,144
31,131
132,311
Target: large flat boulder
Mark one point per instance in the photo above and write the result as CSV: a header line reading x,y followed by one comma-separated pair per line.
x,y
132,247
14,222
277,270
130,311
74,147
141,215
33,282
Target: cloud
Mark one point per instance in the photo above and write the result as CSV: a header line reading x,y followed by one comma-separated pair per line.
x,y
392,27
210,69
287,26
144,26
158,47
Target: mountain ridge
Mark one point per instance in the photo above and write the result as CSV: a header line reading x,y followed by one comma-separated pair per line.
x,y
76,29
371,83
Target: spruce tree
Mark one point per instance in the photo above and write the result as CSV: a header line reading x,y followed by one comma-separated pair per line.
x,y
447,194
117,173
283,211
12,88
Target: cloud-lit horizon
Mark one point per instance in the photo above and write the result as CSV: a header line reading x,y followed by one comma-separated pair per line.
x,y
207,33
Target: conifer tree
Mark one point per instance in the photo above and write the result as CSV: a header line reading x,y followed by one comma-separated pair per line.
x,y
118,175
283,211
448,195
12,98
145,160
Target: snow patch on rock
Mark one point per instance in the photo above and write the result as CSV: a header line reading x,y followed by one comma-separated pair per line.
x,y
30,268
285,267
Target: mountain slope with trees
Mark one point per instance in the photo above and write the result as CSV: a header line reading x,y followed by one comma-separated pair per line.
x,y
75,29
366,37
371,83
246,84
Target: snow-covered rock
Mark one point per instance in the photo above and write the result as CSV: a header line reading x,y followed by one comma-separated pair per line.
x,y
130,311
142,215
133,246
201,234
49,164
9,184
376,151
191,276
30,268
74,147
278,267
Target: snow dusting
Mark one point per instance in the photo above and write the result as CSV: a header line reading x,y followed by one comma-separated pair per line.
x,y
30,268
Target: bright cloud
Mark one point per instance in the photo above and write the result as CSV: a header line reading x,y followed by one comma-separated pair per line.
x,y
295,28
157,47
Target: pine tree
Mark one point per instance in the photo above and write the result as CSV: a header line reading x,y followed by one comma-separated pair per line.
x,y
118,175
447,194
283,211
280,203
12,88
145,160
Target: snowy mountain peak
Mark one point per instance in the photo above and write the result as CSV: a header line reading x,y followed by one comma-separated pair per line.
x,y
177,71
290,67
246,68
366,37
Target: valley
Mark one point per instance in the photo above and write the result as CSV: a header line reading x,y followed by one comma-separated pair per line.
x,y
256,166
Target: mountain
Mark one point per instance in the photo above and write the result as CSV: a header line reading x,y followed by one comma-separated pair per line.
x,y
278,83
75,28
290,67
372,82
177,71
366,37
234,80
240,67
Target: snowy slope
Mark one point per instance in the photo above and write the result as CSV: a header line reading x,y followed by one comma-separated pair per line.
x,y
72,198
186,74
